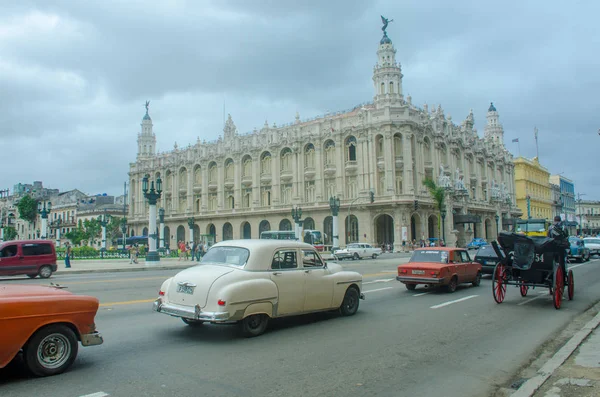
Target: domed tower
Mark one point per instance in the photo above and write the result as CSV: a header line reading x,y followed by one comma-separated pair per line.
x,y
387,74
146,139
493,130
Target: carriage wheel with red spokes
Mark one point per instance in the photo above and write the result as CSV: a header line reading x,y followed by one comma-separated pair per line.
x,y
499,283
571,285
524,289
559,286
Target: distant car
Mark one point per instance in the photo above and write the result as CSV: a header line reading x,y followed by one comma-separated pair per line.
x,y
252,281
30,257
593,244
443,266
487,257
476,243
45,323
578,250
357,251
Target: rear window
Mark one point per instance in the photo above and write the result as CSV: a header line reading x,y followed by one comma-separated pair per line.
x,y
36,249
486,250
226,256
429,256
592,240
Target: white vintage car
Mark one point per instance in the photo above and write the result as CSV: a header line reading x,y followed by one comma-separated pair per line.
x,y
357,251
251,281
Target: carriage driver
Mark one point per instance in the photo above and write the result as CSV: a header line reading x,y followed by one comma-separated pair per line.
x,y
557,231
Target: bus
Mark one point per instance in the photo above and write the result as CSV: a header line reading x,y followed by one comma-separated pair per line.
x,y
533,227
140,240
312,237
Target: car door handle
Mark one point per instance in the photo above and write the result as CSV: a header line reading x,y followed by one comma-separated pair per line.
x,y
277,273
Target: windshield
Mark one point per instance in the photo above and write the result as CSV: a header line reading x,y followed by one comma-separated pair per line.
x,y
429,256
592,240
234,256
486,250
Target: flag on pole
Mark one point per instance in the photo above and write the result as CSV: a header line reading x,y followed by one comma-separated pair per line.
x,y
515,140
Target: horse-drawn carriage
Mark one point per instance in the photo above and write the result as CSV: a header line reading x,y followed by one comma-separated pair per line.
x,y
529,262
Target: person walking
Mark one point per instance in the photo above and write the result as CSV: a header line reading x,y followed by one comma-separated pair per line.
x,y
68,256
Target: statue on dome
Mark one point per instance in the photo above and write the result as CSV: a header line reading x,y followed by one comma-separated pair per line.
x,y
147,105
385,22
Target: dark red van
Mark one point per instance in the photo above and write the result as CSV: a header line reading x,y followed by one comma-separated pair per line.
x,y
30,257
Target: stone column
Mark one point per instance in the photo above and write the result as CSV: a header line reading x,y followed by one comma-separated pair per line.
x,y
190,190
161,234
319,174
390,163
103,237
57,236
237,183
152,230
220,186
407,177
204,199
44,230
255,182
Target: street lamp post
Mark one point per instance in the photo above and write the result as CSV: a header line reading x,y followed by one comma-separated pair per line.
x,y
191,222
443,213
57,224
497,226
2,225
152,195
44,211
528,197
124,230
297,214
579,200
104,219
334,204
161,230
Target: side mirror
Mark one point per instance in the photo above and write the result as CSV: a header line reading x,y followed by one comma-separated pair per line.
x,y
325,264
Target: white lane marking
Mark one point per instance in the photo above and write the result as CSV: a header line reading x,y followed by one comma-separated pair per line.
x,y
452,302
385,280
98,394
581,264
422,293
542,294
379,289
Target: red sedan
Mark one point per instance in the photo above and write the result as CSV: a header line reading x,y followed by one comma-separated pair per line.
x,y
444,266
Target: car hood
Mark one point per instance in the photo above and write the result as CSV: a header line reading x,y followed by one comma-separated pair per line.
x,y
201,278
28,291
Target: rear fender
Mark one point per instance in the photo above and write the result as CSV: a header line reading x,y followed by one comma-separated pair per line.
x,y
259,308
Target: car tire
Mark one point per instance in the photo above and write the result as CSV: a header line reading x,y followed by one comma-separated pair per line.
x,y
51,350
410,287
451,287
32,275
374,256
45,271
192,323
351,302
477,281
355,256
254,325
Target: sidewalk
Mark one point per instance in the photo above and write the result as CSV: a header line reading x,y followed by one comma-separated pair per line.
x,y
573,370
80,266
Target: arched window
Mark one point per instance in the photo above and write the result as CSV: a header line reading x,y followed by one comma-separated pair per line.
x,y
229,166
247,166
227,231
391,87
379,146
286,159
329,152
351,229
230,201
285,224
382,90
264,226
309,156
265,163
350,148
212,172
183,178
398,145
197,176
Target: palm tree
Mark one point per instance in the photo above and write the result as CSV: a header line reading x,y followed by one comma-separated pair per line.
x,y
438,194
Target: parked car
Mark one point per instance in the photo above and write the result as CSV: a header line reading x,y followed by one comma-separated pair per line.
x,y
593,244
487,257
252,281
476,243
357,251
440,266
30,257
45,323
578,250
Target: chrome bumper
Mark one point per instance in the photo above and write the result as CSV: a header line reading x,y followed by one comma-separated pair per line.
x,y
421,280
92,339
194,313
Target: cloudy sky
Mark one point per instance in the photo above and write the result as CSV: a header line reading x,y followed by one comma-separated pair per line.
x,y
74,75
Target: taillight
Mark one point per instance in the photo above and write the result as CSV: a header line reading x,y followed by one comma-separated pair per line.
x,y
404,271
434,274
221,302
161,293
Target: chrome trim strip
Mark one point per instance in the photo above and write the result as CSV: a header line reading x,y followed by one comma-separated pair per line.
x,y
191,312
92,339
254,300
349,282
422,280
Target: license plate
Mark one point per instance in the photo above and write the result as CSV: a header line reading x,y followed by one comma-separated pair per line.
x,y
185,289
418,272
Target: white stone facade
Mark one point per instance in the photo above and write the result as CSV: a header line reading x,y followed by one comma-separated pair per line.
x,y
242,184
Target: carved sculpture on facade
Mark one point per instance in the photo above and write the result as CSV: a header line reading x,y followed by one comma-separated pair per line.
x,y
443,179
459,183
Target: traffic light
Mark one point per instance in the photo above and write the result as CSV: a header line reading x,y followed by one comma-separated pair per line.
x,y
416,205
372,196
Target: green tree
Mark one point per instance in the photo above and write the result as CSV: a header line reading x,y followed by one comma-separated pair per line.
x,y
10,233
92,230
113,230
438,194
27,207
77,235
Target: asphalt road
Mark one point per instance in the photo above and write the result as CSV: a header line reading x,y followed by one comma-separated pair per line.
x,y
400,343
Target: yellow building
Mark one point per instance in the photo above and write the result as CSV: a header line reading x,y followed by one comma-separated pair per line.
x,y
533,179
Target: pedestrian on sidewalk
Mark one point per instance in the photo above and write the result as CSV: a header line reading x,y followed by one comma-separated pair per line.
x,y
68,255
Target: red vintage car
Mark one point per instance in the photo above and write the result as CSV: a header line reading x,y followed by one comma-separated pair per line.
x,y
444,266
46,324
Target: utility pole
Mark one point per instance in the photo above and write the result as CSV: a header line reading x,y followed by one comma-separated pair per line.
x,y
579,202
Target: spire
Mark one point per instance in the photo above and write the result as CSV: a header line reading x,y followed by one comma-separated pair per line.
x,y
146,138
387,74
229,130
493,130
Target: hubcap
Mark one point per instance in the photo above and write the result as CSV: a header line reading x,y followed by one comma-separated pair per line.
x,y
45,271
54,351
254,322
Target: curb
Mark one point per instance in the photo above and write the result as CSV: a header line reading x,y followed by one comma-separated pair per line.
x,y
528,388
119,270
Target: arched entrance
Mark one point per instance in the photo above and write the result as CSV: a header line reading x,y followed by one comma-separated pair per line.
x,y
145,232
227,231
415,227
246,230
384,230
167,236
351,225
433,229
180,233
264,226
131,232
328,230
488,229
285,224
309,224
